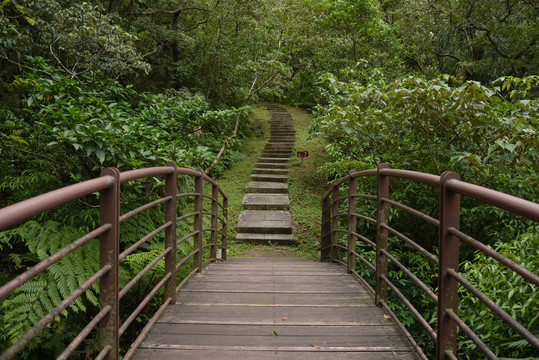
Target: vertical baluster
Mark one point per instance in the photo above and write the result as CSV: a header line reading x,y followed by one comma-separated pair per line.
x,y
199,190
225,228
334,221
171,181
325,240
109,250
381,235
352,221
449,259
214,214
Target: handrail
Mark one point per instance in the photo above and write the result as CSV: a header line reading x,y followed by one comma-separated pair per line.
x,y
449,235
107,319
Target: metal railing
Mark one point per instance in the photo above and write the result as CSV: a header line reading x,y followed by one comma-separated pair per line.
x,y
449,236
107,320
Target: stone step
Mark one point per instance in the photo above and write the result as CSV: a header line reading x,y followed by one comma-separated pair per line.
x,y
265,222
266,187
266,202
270,171
273,160
288,144
279,148
269,178
271,165
278,239
282,138
276,155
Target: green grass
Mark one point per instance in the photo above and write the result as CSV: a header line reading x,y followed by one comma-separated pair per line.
x,y
234,180
304,206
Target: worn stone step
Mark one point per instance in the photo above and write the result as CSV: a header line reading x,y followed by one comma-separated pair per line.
x,y
282,132
267,187
265,222
278,239
266,202
276,155
271,165
287,144
270,178
269,171
273,160
282,138
279,149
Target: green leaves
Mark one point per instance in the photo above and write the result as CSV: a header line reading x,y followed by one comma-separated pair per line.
x,y
509,291
430,126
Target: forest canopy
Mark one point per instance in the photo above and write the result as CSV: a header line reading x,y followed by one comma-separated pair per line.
x,y
427,85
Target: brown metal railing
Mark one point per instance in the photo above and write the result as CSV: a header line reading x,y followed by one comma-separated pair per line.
x,y
451,189
107,320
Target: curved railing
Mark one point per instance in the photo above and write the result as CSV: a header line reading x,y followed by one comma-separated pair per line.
x,y
449,236
107,320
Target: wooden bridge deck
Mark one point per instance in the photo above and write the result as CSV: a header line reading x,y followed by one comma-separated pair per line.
x,y
274,308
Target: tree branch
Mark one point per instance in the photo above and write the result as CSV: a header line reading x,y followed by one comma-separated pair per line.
x,y
448,55
173,12
29,153
252,91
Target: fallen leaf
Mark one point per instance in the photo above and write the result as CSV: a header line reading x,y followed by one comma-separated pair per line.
x,y
285,318
387,316
317,346
274,333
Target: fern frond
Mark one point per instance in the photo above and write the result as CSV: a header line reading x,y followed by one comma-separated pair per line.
x,y
37,297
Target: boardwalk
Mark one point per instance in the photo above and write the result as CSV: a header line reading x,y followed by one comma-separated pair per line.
x,y
274,308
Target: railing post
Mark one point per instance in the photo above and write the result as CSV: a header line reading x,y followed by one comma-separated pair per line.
x,y
381,235
352,221
171,181
224,240
199,190
325,239
334,221
214,214
109,250
448,246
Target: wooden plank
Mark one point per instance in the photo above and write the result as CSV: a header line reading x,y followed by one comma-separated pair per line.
x,y
233,310
364,310
281,330
168,354
269,298
303,343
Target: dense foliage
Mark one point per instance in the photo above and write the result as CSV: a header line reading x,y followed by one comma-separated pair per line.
x,y
488,134
86,85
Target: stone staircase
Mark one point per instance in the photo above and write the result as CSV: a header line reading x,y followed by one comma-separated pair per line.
x,y
267,217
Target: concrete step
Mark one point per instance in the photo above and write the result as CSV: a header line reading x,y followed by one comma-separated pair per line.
x,y
270,154
269,178
282,138
269,171
273,160
266,187
266,202
265,165
288,144
265,222
282,132
278,239
281,149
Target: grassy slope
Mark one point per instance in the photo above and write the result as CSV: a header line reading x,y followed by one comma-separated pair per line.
x,y
305,207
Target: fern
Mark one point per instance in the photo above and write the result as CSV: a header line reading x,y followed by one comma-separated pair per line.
x,y
37,297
